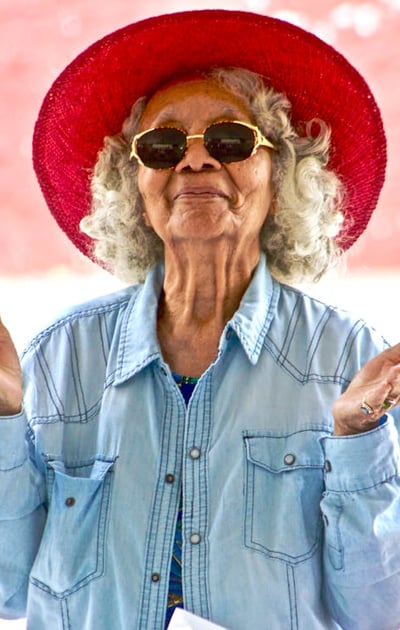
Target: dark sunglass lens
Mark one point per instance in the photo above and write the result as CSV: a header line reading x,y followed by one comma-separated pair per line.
x,y
161,148
229,141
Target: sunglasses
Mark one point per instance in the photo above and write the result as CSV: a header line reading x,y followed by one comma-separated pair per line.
x,y
226,141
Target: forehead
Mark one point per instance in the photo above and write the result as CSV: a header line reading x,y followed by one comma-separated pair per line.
x,y
191,100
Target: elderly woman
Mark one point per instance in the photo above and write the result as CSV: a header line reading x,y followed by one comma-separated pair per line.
x,y
211,438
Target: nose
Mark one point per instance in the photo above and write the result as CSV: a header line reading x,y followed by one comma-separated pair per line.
x,y
197,158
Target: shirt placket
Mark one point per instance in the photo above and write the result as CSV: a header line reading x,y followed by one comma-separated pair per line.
x,y
195,499
165,506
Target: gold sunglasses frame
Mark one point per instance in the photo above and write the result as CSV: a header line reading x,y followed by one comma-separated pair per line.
x,y
260,139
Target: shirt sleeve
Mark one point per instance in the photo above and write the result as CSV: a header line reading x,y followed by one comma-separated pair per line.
x,y
361,513
22,514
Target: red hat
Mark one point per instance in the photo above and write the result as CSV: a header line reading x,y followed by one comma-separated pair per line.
x,y
94,94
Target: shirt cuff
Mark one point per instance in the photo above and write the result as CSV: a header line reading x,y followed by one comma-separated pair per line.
x,y
357,462
12,441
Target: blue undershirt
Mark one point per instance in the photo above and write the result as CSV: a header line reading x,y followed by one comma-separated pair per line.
x,y
186,385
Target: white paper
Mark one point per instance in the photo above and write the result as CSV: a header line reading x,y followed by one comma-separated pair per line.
x,y
184,620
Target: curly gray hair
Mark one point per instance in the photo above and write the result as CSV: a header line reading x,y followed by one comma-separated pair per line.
x,y
298,237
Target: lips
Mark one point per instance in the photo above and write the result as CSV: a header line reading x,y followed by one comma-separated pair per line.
x,y
199,192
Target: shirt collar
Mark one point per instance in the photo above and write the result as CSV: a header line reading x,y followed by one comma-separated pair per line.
x,y
252,320
139,344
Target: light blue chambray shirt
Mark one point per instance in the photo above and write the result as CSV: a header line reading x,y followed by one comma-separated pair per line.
x,y
285,527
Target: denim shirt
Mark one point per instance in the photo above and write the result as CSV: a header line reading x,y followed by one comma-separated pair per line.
x,y
284,525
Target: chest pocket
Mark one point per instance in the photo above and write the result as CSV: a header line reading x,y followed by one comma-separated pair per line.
x,y
72,550
283,490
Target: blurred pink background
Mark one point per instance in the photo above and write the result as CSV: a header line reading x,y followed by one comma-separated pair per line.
x,y
38,265
38,39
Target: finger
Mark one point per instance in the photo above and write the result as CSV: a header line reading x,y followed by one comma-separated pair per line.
x,y
393,353
392,376
381,399
10,375
390,402
376,370
360,409
8,352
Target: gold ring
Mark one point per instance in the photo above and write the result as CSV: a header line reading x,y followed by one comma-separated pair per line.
x,y
388,403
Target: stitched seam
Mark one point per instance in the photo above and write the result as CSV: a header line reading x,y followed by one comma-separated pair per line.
x,y
88,416
364,488
76,316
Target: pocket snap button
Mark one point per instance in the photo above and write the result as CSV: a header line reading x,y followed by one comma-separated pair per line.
x,y
70,501
289,459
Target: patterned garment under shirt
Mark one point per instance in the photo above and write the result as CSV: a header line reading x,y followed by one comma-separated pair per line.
x,y
175,594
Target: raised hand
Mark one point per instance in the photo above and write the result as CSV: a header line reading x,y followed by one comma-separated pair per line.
x,y
10,375
374,390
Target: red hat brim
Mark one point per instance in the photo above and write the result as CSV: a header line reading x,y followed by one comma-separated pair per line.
x,y
94,94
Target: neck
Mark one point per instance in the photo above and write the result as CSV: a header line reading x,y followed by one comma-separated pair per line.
x,y
205,284
203,288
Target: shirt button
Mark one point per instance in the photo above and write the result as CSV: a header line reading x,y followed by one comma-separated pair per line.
x,y
169,478
163,371
327,466
195,452
289,459
70,501
155,577
195,539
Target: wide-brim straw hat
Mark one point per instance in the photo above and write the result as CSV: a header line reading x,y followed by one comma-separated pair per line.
x,y
94,94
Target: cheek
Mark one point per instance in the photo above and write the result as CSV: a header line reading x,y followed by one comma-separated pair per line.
x,y
256,180
152,186
144,187
144,183
152,183
263,170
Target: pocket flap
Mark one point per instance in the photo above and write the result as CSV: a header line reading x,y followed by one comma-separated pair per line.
x,y
95,469
286,452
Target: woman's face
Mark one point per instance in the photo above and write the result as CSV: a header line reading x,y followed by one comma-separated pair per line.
x,y
201,198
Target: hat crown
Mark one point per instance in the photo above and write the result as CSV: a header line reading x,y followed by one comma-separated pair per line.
x,y
85,105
